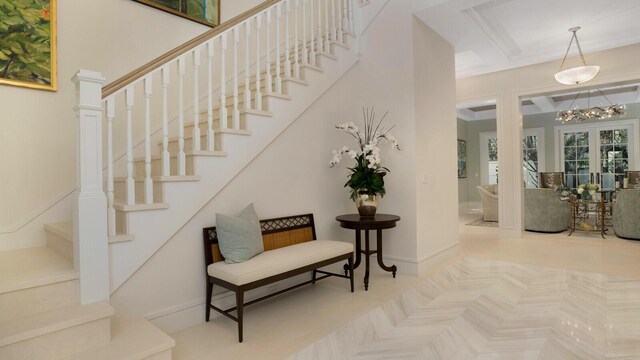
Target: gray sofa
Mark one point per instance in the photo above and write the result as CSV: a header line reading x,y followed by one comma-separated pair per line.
x,y
626,214
544,211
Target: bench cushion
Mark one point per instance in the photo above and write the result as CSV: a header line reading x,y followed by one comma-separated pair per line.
x,y
278,261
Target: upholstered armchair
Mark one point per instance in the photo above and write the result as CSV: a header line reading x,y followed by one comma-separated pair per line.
x,y
544,211
626,217
551,180
634,179
489,196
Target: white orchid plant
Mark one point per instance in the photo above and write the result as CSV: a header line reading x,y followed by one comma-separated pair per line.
x,y
367,176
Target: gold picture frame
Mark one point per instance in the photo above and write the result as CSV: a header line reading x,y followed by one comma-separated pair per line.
x,y
181,8
28,43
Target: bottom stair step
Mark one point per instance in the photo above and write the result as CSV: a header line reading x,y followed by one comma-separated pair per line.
x,y
133,339
57,333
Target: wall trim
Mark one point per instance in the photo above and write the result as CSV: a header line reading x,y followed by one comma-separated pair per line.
x,y
38,211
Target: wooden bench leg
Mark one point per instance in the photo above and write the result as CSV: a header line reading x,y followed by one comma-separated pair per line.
x,y
209,295
313,277
239,307
350,263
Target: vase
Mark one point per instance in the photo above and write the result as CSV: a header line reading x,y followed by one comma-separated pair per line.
x,y
367,204
586,196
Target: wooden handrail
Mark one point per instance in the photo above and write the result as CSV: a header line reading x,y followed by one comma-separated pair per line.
x,y
170,55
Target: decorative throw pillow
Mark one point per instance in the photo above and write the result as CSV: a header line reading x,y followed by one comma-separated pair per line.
x,y
239,237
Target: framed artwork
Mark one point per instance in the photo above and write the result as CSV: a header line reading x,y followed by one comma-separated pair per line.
x,y
462,159
28,43
206,12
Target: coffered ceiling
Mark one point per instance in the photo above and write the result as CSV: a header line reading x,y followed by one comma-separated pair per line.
x,y
493,35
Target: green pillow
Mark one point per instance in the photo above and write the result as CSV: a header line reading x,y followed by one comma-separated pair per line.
x,y
239,237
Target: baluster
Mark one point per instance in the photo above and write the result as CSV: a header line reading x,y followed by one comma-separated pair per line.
x,y
210,134
296,65
166,157
339,22
319,41
247,74
182,158
287,57
345,15
334,31
223,82
236,111
305,51
196,100
111,212
327,43
258,100
131,185
268,77
351,23
148,183
312,53
278,69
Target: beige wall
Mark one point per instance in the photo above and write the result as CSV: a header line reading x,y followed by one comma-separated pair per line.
x,y
616,65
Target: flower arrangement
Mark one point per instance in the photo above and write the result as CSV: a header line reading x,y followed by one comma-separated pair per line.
x,y
367,175
586,191
563,191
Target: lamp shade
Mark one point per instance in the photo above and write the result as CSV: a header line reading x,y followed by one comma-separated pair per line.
x,y
577,75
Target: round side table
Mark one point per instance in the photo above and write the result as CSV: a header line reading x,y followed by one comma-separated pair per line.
x,y
377,222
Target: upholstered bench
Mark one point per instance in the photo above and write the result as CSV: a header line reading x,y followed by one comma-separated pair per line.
x,y
290,248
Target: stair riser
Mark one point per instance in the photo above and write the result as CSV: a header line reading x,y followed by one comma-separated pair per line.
x,y
26,302
122,222
165,355
61,344
60,245
120,190
203,125
188,144
156,164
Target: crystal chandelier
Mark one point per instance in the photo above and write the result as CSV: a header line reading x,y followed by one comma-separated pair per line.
x,y
595,112
579,74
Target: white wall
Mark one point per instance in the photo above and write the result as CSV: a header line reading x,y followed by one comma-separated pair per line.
x,y
616,65
292,175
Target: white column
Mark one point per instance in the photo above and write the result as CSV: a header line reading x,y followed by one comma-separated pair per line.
x,y
339,22
319,41
287,28
345,15
247,74
351,22
268,78
312,53
334,31
166,157
296,55
91,251
258,100
182,158
148,183
278,70
236,111
111,212
210,134
305,51
196,100
131,185
327,43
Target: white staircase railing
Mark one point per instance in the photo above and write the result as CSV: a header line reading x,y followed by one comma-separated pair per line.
x,y
195,76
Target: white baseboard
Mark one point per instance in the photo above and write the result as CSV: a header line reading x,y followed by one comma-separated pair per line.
x,y
424,264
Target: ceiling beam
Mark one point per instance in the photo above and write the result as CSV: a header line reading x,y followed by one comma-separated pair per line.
x,y
544,103
495,33
466,114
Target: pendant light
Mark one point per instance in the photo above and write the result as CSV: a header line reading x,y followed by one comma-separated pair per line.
x,y
579,74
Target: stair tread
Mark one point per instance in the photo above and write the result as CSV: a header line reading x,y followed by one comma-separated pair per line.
x,y
132,339
27,268
63,229
118,238
140,207
170,178
189,135
187,152
229,114
20,329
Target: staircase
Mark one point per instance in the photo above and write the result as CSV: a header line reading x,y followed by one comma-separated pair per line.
x,y
206,110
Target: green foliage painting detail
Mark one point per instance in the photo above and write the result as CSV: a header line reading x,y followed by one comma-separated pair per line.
x,y
203,11
26,41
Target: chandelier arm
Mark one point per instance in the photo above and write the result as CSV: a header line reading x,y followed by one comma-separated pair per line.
x,y
584,63
605,96
574,99
567,53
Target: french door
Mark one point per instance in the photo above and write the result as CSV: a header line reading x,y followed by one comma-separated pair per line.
x,y
597,153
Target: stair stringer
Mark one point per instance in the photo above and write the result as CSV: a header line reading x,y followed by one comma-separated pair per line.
x,y
153,229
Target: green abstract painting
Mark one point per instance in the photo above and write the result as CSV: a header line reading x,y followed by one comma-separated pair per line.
x,y
206,12
28,43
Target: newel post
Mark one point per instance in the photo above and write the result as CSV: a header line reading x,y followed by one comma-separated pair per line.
x,y
91,246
